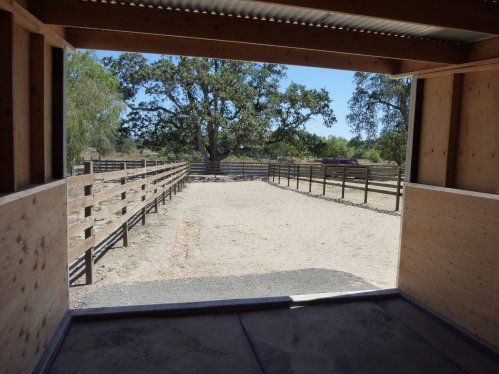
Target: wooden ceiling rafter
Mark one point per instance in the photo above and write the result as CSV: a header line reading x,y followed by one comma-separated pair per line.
x,y
134,42
73,13
467,15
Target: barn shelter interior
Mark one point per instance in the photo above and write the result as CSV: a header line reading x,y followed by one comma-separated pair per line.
x,y
449,255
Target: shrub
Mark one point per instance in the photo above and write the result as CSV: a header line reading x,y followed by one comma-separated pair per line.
x,y
373,155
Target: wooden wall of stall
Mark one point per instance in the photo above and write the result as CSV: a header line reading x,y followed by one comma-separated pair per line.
x,y
33,280
32,125
33,234
450,238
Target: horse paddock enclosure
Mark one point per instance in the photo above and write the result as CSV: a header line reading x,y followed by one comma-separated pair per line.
x,y
245,240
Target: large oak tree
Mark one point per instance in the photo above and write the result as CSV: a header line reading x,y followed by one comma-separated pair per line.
x,y
217,107
379,109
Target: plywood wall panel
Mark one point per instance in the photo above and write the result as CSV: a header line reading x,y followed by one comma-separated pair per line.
x,y
33,277
449,257
21,107
435,124
478,147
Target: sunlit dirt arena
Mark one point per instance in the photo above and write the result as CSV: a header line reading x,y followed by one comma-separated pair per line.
x,y
242,240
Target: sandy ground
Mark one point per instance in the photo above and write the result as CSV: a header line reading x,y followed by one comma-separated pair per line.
x,y
220,230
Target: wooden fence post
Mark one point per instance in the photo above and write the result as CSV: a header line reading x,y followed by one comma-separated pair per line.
x,y
273,172
155,189
279,173
399,181
324,181
289,172
366,185
163,188
343,182
243,170
310,181
144,174
297,176
124,209
88,168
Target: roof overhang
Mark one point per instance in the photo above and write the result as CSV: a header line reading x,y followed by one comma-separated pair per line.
x,y
384,38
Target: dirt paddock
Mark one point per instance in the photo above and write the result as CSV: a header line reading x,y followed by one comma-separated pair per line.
x,y
246,239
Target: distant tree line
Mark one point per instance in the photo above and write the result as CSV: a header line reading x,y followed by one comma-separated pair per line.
x,y
213,109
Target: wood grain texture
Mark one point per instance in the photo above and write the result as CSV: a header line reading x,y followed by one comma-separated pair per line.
x,y
478,144
449,257
435,130
22,151
33,276
133,42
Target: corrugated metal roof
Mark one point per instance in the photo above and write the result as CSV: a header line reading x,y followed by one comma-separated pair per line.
x,y
309,17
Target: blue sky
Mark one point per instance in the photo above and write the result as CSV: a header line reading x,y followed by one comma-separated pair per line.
x,y
337,82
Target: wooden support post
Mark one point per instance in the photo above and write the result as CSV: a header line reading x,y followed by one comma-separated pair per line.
x,y
88,168
59,134
124,209
324,181
414,130
243,170
454,122
170,192
289,172
399,182
7,157
297,176
279,173
366,184
310,181
37,109
144,174
273,172
343,182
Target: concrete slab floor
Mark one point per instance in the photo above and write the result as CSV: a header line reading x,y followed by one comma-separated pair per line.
x,y
390,336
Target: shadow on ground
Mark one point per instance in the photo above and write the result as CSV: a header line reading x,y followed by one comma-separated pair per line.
x,y
282,283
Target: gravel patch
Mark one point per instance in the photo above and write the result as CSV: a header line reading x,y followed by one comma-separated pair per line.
x,y
299,282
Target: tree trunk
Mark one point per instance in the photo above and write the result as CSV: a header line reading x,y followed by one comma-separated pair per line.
x,y
200,144
214,144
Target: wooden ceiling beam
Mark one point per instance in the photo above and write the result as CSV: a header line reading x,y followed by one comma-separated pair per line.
x,y
73,13
133,42
468,15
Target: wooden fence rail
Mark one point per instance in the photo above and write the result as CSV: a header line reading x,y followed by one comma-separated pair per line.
x,y
244,169
101,203
385,180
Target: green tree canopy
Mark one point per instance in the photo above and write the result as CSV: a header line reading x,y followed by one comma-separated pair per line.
x,y
379,107
337,147
217,107
94,106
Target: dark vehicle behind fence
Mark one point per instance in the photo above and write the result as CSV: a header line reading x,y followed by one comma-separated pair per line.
x,y
340,161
